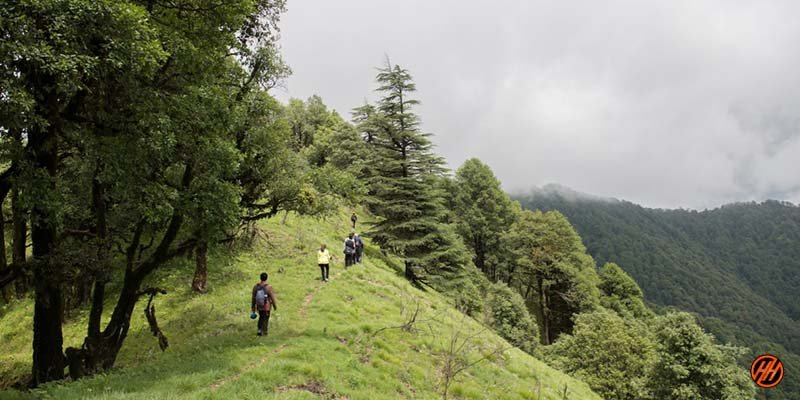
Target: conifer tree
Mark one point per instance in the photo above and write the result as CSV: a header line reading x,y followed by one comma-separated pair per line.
x,y
403,182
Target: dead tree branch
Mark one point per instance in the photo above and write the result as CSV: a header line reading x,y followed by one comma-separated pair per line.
x,y
150,314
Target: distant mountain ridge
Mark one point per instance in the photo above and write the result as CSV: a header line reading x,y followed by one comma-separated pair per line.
x,y
564,192
737,266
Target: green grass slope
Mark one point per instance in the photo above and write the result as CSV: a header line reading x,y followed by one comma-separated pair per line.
x,y
326,339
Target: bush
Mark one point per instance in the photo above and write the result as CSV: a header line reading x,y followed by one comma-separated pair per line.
x,y
468,298
612,355
506,313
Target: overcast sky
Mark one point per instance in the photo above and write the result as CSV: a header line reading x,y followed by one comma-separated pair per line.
x,y
665,103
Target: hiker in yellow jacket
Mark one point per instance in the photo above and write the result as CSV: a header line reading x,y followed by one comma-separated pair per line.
x,y
324,260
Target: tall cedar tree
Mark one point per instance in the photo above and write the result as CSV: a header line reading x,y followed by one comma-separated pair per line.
x,y
405,194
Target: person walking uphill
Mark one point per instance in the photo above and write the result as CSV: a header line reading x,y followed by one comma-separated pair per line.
x,y
263,300
353,219
359,248
349,251
324,260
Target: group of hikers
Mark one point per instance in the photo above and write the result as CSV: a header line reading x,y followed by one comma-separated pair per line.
x,y
353,252
263,297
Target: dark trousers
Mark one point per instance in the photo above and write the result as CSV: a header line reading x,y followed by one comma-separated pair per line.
x,y
358,256
325,270
263,322
349,259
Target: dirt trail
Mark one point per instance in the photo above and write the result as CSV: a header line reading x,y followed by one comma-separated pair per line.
x,y
310,296
216,385
303,309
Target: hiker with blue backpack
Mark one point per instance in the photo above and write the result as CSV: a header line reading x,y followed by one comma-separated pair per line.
x,y
263,301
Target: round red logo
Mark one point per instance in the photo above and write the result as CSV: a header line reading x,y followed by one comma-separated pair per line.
x,y
766,371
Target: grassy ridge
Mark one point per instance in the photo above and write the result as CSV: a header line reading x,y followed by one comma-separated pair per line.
x,y
325,341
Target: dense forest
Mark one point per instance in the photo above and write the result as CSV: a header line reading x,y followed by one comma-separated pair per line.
x,y
135,133
736,266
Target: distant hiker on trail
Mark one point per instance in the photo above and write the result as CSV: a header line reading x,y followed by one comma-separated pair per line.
x,y
263,299
349,251
354,218
359,248
324,260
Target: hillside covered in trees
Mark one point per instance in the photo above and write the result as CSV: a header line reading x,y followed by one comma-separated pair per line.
x,y
139,137
736,266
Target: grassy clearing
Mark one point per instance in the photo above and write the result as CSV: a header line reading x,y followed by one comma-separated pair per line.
x,y
324,339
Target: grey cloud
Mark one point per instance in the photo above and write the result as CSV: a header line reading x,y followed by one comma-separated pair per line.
x,y
669,104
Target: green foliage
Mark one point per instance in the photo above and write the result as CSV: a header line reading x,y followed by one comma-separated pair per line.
x,y
506,312
338,143
736,266
279,175
668,357
691,366
466,293
305,119
403,184
337,183
621,293
611,354
135,121
552,271
483,213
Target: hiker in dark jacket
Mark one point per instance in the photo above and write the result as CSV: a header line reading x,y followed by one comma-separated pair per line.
x,y
263,300
349,251
353,219
359,248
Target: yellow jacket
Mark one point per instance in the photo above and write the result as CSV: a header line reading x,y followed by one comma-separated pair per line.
x,y
323,257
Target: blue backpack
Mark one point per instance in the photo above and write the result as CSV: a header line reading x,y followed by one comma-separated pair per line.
x,y
262,298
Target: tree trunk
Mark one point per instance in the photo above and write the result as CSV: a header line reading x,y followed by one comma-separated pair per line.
x,y
285,214
48,359
18,239
100,349
117,329
410,275
83,289
98,352
103,249
544,317
201,268
480,257
3,262
512,269
88,359
48,356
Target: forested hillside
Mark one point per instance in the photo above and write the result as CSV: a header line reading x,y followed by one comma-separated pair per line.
x,y
737,266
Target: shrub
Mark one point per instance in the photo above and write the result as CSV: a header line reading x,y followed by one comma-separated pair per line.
x,y
506,313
